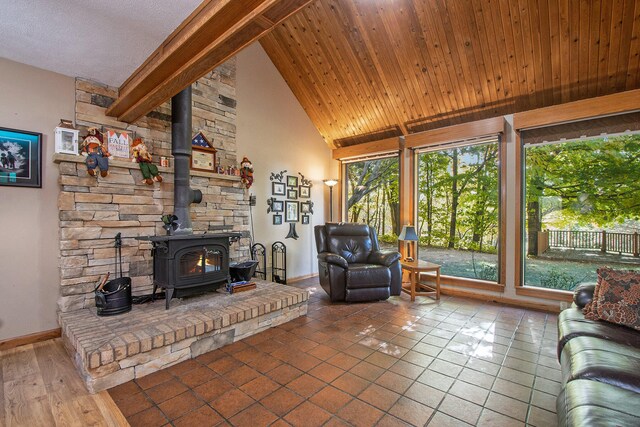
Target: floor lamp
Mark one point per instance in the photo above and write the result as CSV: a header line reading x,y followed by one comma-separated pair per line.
x,y
330,183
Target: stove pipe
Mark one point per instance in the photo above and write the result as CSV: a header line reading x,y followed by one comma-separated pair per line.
x,y
183,195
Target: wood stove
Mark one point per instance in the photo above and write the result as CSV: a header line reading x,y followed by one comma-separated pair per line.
x,y
190,261
184,260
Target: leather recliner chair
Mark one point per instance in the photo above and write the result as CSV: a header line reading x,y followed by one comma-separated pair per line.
x,y
351,265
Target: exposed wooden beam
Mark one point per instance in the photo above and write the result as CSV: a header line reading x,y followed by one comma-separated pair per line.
x,y
617,103
215,31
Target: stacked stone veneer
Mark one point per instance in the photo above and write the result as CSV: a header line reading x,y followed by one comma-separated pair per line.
x,y
112,350
93,210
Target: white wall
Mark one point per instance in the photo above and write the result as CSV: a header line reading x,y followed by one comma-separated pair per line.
x,y
34,100
275,133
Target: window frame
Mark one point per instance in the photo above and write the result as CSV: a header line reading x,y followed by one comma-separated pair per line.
x,y
456,134
607,105
531,290
520,287
344,209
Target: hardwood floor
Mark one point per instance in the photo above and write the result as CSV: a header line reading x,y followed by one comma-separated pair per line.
x,y
40,387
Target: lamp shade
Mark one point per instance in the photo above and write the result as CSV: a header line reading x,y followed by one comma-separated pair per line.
x,y
408,233
330,182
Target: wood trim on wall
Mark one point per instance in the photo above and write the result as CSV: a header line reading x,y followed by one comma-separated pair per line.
x,y
407,195
553,308
342,194
554,294
388,145
518,235
301,278
472,283
454,133
30,339
607,105
502,238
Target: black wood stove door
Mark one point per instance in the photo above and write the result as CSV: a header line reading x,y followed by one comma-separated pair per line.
x,y
201,265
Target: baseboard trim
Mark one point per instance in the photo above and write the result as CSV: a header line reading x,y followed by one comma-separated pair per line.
x,y
30,339
552,308
300,278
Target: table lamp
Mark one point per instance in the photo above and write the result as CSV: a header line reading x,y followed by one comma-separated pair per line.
x,y
408,234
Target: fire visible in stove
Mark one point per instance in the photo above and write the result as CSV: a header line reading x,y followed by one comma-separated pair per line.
x,y
197,262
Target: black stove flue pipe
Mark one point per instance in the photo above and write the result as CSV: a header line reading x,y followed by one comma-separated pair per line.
x,y
183,195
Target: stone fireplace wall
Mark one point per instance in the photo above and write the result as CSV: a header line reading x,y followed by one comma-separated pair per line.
x,y
93,210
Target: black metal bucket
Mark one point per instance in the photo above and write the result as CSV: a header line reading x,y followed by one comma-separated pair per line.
x,y
242,271
115,296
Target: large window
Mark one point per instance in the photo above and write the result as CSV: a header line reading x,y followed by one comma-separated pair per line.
x,y
581,209
372,196
458,209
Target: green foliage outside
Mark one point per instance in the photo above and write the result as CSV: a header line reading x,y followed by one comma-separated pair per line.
x,y
556,279
388,238
458,205
592,183
373,196
577,185
487,272
585,185
458,198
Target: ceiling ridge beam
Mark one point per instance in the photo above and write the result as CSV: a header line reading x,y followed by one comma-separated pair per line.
x,y
215,31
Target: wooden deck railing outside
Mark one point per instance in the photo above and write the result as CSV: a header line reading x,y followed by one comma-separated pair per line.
x,y
605,241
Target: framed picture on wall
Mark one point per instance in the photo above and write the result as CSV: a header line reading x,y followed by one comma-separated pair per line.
x,y
203,154
305,219
291,211
278,188
305,207
305,192
292,194
277,206
292,181
277,219
66,141
20,158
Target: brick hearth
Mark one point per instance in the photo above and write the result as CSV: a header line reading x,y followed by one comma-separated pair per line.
x,y
112,350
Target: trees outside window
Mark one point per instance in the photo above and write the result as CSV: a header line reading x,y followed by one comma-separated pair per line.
x,y
458,209
373,196
581,209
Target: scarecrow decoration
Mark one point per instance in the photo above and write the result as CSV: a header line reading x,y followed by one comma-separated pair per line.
x,y
96,153
246,172
141,155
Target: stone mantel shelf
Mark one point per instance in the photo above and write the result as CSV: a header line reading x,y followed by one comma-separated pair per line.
x,y
58,158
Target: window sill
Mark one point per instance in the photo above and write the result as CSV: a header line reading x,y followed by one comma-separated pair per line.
x,y
471,283
546,293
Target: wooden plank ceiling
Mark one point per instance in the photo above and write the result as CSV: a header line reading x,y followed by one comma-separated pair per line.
x,y
371,69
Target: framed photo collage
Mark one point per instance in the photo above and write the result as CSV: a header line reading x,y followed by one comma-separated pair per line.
x,y
290,201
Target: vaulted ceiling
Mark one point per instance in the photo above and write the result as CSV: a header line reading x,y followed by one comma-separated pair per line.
x,y
370,69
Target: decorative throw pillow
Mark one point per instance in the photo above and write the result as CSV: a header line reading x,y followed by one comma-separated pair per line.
x,y
590,310
618,299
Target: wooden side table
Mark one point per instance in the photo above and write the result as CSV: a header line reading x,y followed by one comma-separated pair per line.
x,y
418,285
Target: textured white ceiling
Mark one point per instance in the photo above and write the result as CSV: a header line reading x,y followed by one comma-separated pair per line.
x,y
103,40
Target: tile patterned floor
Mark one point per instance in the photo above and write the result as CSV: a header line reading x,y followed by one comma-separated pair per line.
x,y
455,362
